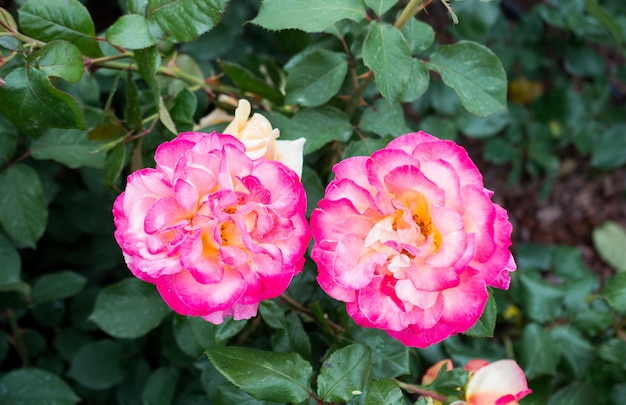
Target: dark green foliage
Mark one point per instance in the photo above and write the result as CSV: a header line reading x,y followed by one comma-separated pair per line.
x,y
88,93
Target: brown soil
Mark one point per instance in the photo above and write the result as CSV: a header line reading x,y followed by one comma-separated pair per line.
x,y
580,200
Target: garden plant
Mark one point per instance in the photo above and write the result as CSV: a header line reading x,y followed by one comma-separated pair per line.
x,y
298,201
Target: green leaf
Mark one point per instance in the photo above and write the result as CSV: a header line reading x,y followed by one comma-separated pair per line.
x,y
130,31
113,164
615,292
166,118
59,59
475,73
613,351
129,392
390,358
23,211
579,280
160,387
182,63
443,99
98,365
442,127
69,147
292,339
10,43
609,240
279,377
541,301
8,145
330,125
11,263
418,82
584,62
183,20
315,78
579,354
384,118
538,354
129,309
184,109
365,146
246,81
229,328
418,35
384,392
229,394
475,19
608,149
137,6
449,381
57,286
48,20
380,6
600,14
592,320
314,188
32,104
148,62
7,22
306,15
132,111
577,393
68,341
273,314
534,256
479,127
194,335
487,322
344,374
387,54
33,386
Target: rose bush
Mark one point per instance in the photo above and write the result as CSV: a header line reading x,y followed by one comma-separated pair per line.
x,y
410,239
215,230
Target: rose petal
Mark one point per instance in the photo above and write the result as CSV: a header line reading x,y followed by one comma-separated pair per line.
x,y
500,382
185,295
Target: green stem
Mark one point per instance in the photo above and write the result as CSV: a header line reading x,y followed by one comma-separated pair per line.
x,y
355,98
109,62
104,59
414,389
181,74
409,11
17,338
28,40
307,312
118,65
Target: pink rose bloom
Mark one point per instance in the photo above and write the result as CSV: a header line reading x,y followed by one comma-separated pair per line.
x,y
501,383
216,231
410,239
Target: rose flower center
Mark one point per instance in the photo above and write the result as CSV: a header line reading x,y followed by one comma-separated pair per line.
x,y
406,234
